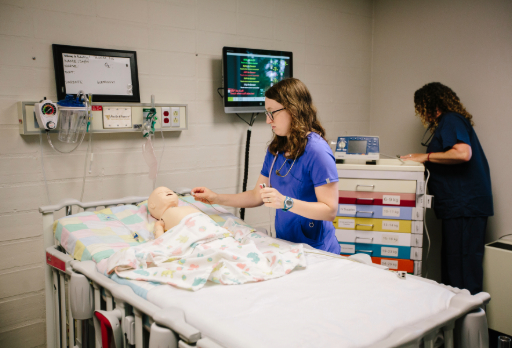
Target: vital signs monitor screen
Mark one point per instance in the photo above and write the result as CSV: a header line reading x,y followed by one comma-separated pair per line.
x,y
248,73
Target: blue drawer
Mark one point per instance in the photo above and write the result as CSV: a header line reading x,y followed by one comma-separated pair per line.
x,y
380,212
376,250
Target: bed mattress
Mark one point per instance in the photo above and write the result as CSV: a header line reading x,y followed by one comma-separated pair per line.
x,y
333,303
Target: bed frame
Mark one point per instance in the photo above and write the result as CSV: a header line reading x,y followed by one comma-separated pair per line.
x,y
75,291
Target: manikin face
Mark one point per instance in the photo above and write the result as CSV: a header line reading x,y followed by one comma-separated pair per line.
x,y
282,122
160,200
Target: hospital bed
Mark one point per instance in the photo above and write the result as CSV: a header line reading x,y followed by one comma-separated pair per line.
x,y
335,301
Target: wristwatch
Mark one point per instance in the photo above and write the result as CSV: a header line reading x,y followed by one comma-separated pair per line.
x,y
288,203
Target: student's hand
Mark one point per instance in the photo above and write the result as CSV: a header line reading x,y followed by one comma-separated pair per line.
x,y
416,157
204,195
272,198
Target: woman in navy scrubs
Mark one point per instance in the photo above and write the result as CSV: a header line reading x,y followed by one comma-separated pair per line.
x,y
460,182
299,171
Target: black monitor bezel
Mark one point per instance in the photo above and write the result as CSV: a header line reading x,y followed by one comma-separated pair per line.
x,y
225,50
58,63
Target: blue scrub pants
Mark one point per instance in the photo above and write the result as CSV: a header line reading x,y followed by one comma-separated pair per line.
x,y
462,252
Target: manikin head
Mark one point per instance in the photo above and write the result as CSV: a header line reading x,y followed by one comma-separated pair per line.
x,y
160,200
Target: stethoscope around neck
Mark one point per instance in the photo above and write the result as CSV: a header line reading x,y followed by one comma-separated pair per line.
x,y
311,223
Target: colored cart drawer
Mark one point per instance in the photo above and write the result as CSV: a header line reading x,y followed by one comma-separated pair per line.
x,y
376,185
367,224
384,238
377,198
397,264
380,212
379,250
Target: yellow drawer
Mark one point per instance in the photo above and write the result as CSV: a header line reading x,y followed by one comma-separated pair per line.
x,y
376,185
368,224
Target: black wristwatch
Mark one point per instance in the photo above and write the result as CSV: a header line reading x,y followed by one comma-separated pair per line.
x,y
288,203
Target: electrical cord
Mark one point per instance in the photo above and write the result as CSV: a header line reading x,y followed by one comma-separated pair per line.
x,y
425,222
505,235
161,157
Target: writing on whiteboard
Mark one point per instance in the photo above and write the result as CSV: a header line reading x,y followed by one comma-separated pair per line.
x,y
97,74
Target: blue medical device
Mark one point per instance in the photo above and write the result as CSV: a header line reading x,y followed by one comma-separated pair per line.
x,y
357,147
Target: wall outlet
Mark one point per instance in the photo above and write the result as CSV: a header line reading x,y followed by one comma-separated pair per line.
x,y
166,117
175,114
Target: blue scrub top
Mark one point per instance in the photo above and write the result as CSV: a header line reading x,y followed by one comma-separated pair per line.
x,y
316,167
460,190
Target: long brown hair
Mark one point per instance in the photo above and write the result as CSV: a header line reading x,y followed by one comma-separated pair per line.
x,y
296,99
435,96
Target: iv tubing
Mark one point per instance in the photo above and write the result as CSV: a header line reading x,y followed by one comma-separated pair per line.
x,y
89,145
161,157
42,164
53,147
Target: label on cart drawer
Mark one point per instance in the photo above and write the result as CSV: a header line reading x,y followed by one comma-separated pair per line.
x,y
391,199
389,263
389,239
390,225
347,223
386,251
347,248
388,211
347,209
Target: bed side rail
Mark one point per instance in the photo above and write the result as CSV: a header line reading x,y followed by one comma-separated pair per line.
x,y
87,205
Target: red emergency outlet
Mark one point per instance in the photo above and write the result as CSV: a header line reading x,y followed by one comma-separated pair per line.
x,y
166,120
166,113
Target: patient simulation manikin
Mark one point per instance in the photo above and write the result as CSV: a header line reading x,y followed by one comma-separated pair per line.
x,y
163,206
195,249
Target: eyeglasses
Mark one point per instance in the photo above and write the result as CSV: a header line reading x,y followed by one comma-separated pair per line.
x,y
270,114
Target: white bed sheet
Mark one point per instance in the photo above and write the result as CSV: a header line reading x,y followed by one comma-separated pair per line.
x,y
333,303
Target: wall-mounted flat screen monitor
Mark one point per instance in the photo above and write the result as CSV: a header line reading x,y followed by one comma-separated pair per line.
x,y
248,73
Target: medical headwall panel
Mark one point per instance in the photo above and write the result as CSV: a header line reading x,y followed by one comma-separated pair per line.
x,y
170,117
381,211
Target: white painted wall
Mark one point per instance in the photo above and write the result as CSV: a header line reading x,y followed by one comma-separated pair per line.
x,y
178,45
465,44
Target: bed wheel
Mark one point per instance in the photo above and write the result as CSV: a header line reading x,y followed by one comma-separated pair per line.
x,y
162,337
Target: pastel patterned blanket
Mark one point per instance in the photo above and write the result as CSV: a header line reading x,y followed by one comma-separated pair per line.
x,y
198,249
98,235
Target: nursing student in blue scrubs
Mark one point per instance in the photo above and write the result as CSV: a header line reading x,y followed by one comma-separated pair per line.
x,y
299,171
460,182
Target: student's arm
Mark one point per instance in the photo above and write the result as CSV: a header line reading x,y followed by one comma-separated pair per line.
x,y
459,153
325,209
247,199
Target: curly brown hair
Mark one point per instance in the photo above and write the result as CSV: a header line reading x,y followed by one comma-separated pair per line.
x,y
296,99
435,97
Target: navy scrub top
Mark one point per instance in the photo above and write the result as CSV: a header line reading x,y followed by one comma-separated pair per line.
x,y
460,190
316,167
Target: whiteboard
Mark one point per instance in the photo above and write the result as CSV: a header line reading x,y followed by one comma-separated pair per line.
x,y
97,74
